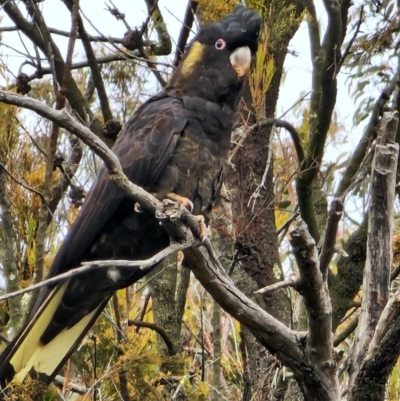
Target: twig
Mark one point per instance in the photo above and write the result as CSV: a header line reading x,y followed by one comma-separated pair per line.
x,y
185,30
100,60
144,309
244,133
287,224
353,38
346,332
87,266
94,67
117,14
67,34
40,149
292,281
255,195
20,182
370,133
159,330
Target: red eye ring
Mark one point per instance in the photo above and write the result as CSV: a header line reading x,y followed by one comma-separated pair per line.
x,y
220,44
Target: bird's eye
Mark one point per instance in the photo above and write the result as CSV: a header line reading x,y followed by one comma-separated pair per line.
x,y
220,44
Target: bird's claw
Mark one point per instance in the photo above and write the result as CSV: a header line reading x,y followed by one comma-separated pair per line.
x,y
174,211
169,210
204,229
182,200
138,208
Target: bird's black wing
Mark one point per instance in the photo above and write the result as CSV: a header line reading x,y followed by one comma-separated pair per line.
x,y
143,148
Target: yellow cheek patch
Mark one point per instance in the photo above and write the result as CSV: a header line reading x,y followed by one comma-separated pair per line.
x,y
194,56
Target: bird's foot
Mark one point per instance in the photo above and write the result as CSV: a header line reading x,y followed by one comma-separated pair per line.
x,y
204,229
182,200
138,208
174,210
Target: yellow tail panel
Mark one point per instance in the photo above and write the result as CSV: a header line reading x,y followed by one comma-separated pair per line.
x,y
46,358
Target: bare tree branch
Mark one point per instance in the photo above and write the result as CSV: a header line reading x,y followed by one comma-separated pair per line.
x,y
350,328
379,246
66,34
315,292
87,266
291,281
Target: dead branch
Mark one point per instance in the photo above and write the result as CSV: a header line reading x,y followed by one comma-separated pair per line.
x,y
291,281
379,245
315,292
382,355
107,264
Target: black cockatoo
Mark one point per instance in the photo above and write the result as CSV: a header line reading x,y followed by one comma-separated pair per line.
x,y
175,143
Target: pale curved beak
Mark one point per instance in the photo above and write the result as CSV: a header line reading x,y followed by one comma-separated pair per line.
x,y
240,60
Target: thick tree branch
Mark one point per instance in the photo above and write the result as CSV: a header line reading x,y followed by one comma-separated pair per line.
x,y
324,59
379,246
384,349
315,292
165,42
350,328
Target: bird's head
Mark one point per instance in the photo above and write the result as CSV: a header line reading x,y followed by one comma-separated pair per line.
x,y
218,58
